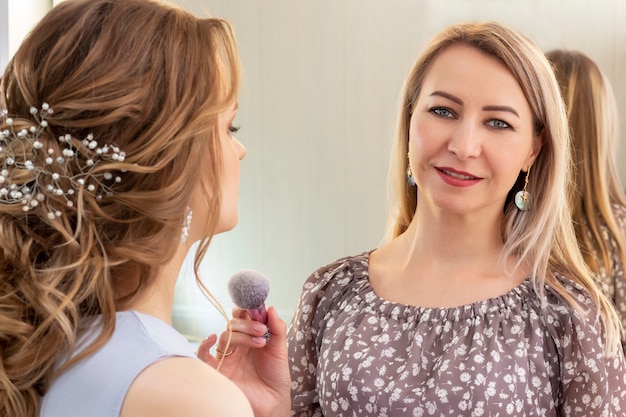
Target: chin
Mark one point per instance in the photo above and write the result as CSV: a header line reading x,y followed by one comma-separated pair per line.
x,y
226,225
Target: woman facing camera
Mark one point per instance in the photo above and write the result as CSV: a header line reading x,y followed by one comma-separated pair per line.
x,y
481,302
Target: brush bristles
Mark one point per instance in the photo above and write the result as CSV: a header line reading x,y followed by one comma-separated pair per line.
x,y
248,289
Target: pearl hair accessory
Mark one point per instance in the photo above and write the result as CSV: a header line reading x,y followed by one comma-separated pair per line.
x,y
31,175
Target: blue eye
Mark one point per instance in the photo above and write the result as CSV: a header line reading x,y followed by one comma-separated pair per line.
x,y
442,112
499,124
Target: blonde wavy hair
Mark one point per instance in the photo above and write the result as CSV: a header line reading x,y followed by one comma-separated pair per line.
x,y
592,112
152,79
543,238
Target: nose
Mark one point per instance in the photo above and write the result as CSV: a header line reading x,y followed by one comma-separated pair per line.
x,y
241,150
465,141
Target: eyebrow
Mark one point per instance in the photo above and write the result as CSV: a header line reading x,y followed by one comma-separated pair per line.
x,y
458,101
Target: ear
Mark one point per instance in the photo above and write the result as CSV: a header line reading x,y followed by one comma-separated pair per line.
x,y
536,146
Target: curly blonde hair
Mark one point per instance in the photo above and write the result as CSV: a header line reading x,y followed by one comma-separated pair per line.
x,y
153,79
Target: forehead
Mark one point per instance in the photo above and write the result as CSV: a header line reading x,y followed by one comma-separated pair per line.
x,y
467,71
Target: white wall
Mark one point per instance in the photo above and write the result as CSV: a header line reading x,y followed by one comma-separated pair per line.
x,y
17,18
4,34
22,16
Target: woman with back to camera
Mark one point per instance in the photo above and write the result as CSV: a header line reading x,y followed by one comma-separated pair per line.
x,y
116,156
598,201
480,303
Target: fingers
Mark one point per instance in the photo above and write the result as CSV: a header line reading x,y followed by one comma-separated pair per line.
x,y
238,313
250,333
204,350
278,331
245,332
276,325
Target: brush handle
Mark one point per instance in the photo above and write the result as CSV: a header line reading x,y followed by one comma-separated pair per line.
x,y
260,314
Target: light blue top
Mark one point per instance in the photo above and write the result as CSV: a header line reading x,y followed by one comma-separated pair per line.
x,y
96,386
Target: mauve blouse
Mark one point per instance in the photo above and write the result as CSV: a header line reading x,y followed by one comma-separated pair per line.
x,y
355,354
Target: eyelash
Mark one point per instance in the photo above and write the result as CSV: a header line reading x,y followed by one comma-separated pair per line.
x,y
233,129
506,125
438,110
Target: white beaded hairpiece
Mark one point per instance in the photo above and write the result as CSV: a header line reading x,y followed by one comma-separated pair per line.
x,y
22,155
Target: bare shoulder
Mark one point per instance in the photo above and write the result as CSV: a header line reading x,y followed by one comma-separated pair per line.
x,y
184,387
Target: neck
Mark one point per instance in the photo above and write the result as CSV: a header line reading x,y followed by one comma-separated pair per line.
x,y
158,299
450,237
445,260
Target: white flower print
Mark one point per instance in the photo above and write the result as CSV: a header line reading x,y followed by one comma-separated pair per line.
x,y
355,354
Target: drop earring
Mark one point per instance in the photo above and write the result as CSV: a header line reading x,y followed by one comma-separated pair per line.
x,y
186,225
522,198
409,173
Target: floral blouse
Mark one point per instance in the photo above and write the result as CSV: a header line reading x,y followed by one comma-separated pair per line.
x,y
355,354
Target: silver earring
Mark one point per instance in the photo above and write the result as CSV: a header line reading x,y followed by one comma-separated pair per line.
x,y
522,198
409,173
186,225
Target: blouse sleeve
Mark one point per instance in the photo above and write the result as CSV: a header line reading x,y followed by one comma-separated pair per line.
x,y
592,383
305,334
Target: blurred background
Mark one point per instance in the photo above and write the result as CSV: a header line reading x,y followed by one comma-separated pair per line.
x,y
320,86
